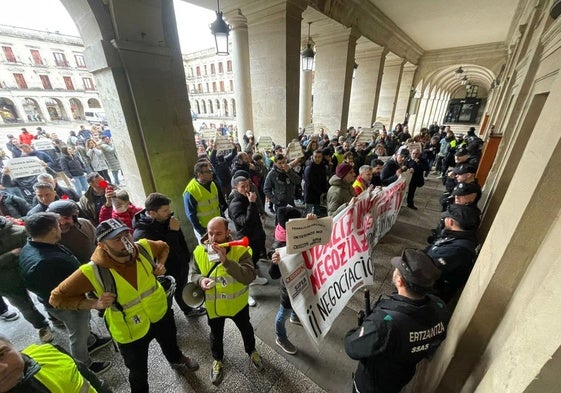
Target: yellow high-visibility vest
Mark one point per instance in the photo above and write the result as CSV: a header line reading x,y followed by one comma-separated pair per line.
x,y
137,307
58,371
208,205
228,296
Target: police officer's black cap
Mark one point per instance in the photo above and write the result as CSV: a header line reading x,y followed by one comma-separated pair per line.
x,y
462,151
467,217
465,189
416,268
464,168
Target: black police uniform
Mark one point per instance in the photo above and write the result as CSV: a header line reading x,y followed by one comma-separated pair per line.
x,y
454,252
398,334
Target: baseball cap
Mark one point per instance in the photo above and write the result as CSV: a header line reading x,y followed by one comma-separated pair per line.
x,y
464,168
108,229
465,189
467,217
416,268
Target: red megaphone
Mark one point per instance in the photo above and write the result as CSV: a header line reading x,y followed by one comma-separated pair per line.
x,y
244,241
103,183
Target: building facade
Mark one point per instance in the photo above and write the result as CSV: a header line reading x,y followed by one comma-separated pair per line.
x,y
43,77
210,81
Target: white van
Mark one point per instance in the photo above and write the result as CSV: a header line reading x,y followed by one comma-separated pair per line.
x,y
96,117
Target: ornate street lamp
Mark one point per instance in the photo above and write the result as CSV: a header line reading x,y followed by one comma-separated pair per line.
x,y
308,54
220,29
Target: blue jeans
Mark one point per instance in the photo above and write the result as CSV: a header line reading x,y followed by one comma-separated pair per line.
x,y
282,316
80,184
115,177
77,323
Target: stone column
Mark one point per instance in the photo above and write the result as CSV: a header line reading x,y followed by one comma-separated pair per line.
x,y
132,49
364,91
44,111
388,91
274,43
335,59
404,93
379,78
305,111
67,109
19,109
241,68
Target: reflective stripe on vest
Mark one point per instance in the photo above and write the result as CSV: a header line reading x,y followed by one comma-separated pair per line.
x,y
208,206
58,372
228,296
141,306
211,296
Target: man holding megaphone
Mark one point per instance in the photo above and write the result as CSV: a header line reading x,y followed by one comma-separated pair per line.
x,y
224,270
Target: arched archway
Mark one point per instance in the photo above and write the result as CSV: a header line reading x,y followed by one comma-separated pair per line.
x,y
77,109
210,107
204,106
56,109
217,106
93,103
32,109
198,107
225,107
8,111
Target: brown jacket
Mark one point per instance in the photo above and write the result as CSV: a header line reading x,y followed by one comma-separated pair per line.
x,y
69,293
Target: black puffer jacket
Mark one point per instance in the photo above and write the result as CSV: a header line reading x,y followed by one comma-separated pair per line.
x,y
147,228
12,205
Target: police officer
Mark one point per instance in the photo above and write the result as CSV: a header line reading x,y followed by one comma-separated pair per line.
x,y
402,329
454,251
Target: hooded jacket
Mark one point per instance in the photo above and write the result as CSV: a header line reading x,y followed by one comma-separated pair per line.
x,y
340,193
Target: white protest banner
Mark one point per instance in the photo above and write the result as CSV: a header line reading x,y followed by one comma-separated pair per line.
x,y
43,144
365,135
378,126
208,133
25,166
302,234
321,280
387,204
223,143
294,151
265,141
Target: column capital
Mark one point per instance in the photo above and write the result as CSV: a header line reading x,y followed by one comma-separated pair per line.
x,y
261,11
236,19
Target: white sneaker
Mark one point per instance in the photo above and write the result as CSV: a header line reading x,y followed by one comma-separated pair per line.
x,y
259,281
251,301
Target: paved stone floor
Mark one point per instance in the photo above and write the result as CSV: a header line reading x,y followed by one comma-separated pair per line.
x,y
324,369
